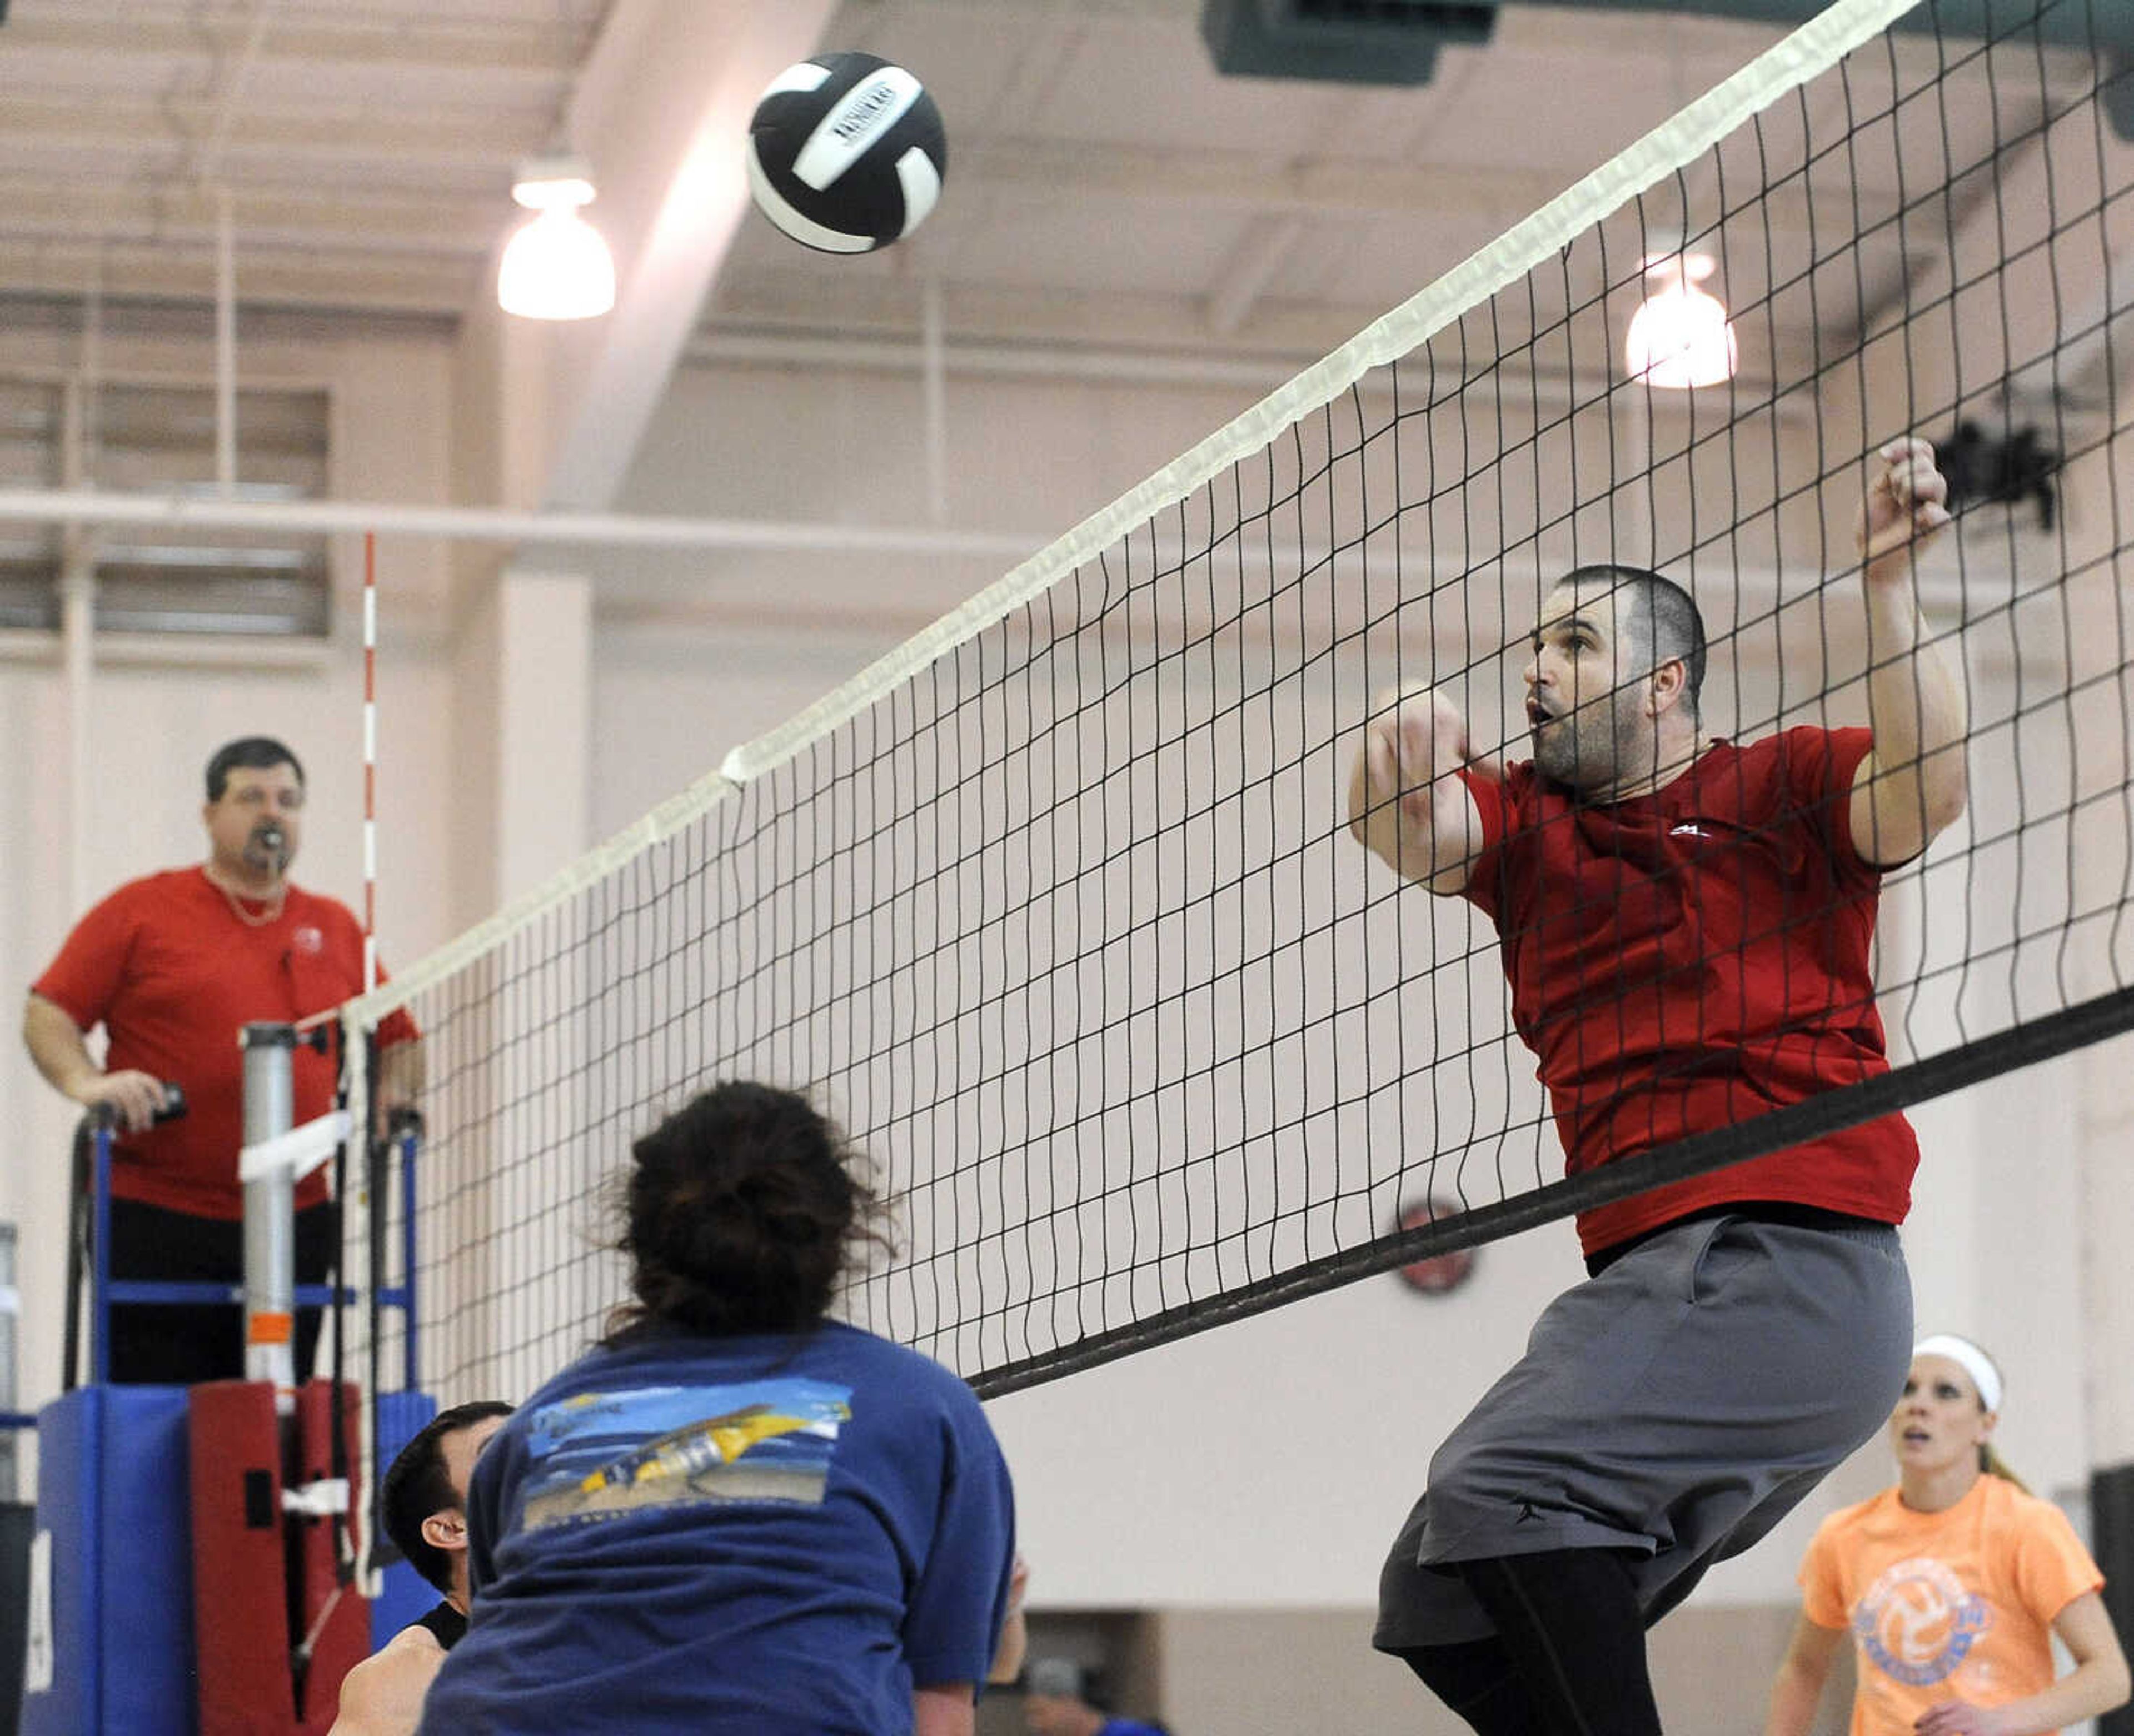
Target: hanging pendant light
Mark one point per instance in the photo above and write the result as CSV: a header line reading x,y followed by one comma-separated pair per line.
x,y
1681,337
556,267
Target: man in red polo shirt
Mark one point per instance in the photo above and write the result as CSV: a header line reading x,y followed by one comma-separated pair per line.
x,y
173,966
1685,924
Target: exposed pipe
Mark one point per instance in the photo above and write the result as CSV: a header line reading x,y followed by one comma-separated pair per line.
x,y
89,379
78,657
1109,367
609,530
934,350
209,157
207,161
2075,26
77,642
226,347
1635,425
1298,26
1003,361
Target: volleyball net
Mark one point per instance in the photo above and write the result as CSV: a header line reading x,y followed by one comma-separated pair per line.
x,y
1056,909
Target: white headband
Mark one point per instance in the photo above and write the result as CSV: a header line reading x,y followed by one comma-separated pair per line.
x,y
1971,1359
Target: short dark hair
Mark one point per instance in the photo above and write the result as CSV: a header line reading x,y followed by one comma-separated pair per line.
x,y
416,1485
741,1212
254,753
1661,617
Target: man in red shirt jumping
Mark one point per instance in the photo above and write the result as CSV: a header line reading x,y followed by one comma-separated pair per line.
x,y
1685,923
173,966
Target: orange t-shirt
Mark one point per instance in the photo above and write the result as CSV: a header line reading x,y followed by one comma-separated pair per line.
x,y
1953,1605
171,972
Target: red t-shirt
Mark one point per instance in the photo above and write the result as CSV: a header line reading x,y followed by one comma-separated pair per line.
x,y
1688,960
170,971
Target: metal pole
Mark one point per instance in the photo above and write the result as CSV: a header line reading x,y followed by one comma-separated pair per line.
x,y
11,1308
412,1371
100,1299
934,374
78,619
225,349
270,1226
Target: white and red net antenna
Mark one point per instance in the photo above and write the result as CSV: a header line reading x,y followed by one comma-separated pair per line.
x,y
370,760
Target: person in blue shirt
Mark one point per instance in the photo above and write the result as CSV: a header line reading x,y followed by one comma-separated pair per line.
x,y
735,1514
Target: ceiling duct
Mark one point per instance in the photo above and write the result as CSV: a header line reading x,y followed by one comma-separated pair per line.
x,y
1355,41
1396,41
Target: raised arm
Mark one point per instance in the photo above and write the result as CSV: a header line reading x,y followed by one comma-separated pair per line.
x,y
1911,784
1405,805
1797,1687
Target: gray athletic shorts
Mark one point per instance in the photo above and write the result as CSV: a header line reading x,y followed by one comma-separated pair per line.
x,y
1677,1405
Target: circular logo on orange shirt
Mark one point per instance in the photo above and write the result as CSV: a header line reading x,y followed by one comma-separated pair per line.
x,y
1917,1624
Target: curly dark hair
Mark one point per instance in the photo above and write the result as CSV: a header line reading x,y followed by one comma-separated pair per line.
x,y
740,1214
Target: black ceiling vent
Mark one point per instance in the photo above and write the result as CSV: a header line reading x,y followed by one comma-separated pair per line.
x,y
1356,41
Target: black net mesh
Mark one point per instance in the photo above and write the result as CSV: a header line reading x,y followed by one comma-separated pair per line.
x,y
1064,922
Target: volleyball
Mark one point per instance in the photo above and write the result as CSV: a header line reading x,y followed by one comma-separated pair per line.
x,y
846,152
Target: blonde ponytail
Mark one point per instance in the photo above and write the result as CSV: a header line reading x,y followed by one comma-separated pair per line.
x,y
1993,1465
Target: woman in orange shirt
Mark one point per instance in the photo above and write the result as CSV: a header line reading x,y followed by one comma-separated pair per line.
x,y
1952,1585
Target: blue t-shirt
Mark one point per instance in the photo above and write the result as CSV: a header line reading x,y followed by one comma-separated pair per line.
x,y
769,1534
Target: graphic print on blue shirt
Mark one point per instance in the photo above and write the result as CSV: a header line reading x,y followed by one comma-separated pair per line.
x,y
605,1454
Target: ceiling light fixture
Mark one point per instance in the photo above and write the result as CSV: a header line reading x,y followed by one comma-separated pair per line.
x,y
1681,337
556,267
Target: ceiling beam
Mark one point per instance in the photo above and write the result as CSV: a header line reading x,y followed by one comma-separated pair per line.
x,y
294,142
422,195
661,109
499,48
181,216
435,284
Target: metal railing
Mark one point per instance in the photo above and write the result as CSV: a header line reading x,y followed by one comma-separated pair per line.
x,y
89,1278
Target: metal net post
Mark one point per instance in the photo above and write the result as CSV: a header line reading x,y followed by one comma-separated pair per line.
x,y
270,1227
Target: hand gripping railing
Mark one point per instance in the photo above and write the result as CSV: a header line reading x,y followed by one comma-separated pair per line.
x,y
267,1287
88,1242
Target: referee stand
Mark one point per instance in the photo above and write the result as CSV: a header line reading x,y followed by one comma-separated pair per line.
x,y
192,1570
16,1517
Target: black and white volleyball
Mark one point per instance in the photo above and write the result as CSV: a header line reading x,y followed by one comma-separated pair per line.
x,y
846,152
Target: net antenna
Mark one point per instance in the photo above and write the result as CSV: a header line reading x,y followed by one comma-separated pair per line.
x,y
370,761
1055,908
356,1314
